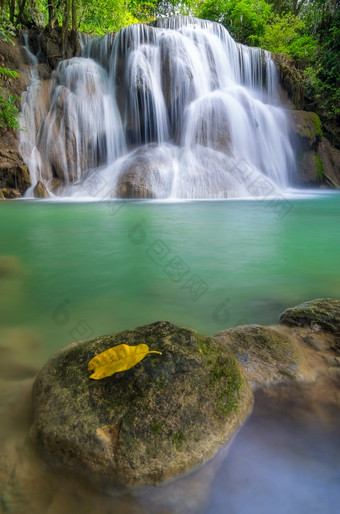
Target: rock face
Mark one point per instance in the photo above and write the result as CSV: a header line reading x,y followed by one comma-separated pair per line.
x,y
318,162
47,45
13,172
169,413
321,313
10,193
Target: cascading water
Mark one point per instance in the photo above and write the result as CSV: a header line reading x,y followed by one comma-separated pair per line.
x,y
172,110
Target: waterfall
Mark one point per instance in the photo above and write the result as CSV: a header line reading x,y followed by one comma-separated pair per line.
x,y
175,109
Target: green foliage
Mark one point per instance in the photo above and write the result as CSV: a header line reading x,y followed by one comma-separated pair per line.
x,y
245,19
285,34
8,110
6,73
7,29
173,7
105,16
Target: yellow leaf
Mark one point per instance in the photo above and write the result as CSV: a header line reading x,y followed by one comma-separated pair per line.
x,y
118,358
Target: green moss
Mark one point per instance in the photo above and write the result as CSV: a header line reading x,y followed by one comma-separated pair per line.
x,y
157,427
319,166
177,439
227,397
206,347
317,125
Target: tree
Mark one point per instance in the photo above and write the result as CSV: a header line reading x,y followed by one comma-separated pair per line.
x,y
287,34
8,109
245,19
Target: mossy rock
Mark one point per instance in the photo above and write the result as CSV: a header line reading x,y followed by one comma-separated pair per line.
x,y
321,313
267,356
40,190
166,415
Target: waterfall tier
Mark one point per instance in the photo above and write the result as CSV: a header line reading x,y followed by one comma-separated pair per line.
x,y
175,109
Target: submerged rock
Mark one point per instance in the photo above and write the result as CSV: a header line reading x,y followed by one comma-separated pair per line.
x,y
166,415
321,313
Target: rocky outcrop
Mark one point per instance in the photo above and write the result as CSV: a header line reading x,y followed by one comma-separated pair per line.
x,y
40,190
318,314
46,44
268,356
318,162
167,414
14,173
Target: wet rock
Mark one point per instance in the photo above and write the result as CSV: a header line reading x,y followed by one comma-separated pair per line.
x,y
1,195
267,356
167,414
330,159
321,313
318,162
50,45
14,173
40,190
10,193
147,175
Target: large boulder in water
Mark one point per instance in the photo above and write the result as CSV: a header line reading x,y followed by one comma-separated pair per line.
x,y
167,414
321,313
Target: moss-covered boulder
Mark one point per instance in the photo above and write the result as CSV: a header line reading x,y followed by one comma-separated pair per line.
x,y
166,415
321,313
267,356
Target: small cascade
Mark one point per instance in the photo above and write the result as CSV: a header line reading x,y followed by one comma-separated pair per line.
x,y
175,109
33,110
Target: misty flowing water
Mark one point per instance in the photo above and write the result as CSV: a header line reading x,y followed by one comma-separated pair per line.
x,y
173,110
77,270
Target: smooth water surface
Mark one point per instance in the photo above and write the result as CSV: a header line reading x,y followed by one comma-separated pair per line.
x,y
70,271
91,268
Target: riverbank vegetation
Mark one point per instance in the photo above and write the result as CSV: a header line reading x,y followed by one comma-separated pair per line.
x,y
305,34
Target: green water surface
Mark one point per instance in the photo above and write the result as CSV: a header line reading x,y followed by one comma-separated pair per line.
x,y
86,269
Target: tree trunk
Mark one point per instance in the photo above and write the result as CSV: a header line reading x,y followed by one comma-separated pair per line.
x,y
11,10
74,15
21,8
53,7
64,30
74,27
